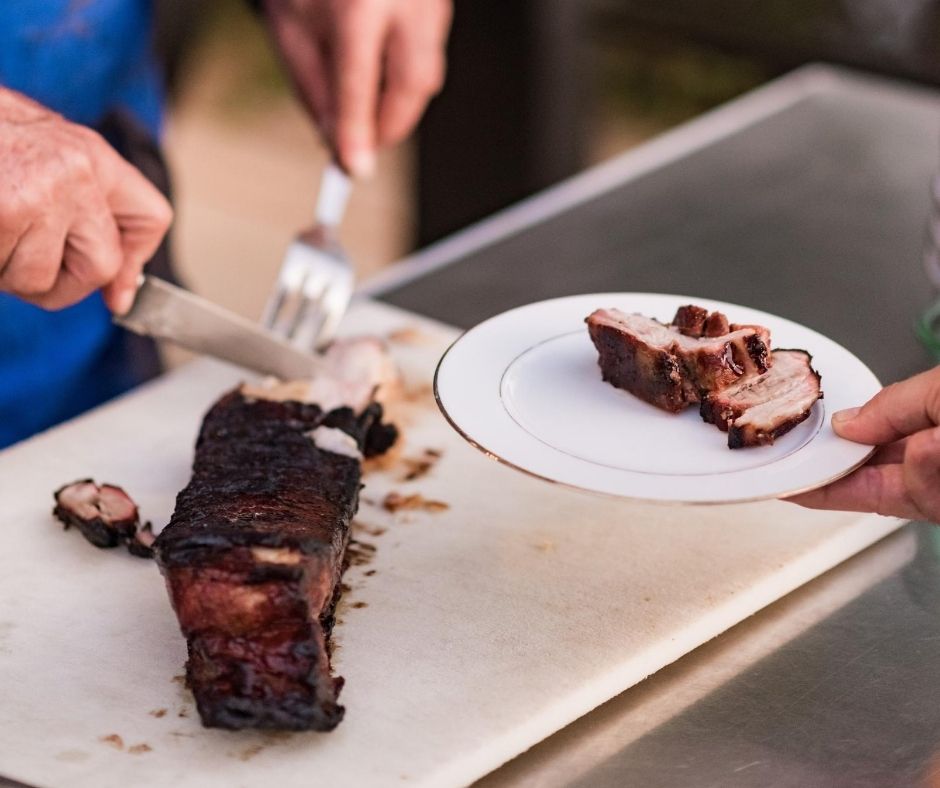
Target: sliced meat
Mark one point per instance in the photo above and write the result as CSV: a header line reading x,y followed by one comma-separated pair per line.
x,y
253,557
759,408
716,325
690,320
670,369
358,371
104,514
696,321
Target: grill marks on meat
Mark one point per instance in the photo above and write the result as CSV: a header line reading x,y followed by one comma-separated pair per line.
x,y
758,409
674,366
105,514
253,557
744,389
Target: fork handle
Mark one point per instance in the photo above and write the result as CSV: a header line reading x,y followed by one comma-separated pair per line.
x,y
335,186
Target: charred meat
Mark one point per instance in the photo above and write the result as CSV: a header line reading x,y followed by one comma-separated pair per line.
x,y
700,357
759,408
673,366
254,553
141,544
104,514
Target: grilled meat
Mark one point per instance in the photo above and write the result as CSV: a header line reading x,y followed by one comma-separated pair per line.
x,y
358,371
690,320
254,553
141,544
759,408
673,366
104,514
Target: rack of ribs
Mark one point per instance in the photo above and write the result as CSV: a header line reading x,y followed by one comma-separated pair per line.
x,y
254,553
759,408
673,366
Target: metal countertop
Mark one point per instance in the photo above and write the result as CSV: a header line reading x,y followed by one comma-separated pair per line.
x,y
807,198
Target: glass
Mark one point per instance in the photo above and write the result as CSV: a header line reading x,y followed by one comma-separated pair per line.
x,y
928,327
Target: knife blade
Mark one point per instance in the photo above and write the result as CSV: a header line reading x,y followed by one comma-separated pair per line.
x,y
164,311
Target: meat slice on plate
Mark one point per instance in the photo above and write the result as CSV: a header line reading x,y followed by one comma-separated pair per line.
x,y
673,366
759,408
105,514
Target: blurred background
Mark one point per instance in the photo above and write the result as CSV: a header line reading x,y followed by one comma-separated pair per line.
x,y
537,90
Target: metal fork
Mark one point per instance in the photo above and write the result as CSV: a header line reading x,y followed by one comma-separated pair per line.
x,y
315,283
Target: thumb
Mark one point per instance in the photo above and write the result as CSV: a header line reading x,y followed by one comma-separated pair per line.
x,y
893,413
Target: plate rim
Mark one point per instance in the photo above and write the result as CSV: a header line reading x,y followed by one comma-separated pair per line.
x,y
492,455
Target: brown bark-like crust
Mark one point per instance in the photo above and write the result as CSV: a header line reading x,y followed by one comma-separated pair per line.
x,y
674,366
253,557
629,363
690,320
786,393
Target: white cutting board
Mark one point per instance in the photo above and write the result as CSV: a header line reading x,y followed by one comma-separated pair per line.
x,y
485,628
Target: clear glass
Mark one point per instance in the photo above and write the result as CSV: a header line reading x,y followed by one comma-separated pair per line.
x,y
928,327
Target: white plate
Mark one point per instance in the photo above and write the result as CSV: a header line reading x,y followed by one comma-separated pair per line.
x,y
525,388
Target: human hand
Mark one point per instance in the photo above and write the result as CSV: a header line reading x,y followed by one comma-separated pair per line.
x,y
74,215
903,476
365,69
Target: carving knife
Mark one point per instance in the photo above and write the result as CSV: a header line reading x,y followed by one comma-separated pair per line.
x,y
165,311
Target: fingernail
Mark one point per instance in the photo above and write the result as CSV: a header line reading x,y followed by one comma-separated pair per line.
x,y
123,302
362,163
842,416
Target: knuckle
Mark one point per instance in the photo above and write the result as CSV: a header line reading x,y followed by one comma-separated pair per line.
x,y
33,281
437,79
431,80
931,511
54,301
920,450
106,267
873,481
885,394
163,214
425,80
922,474
933,400
926,504
348,12
77,161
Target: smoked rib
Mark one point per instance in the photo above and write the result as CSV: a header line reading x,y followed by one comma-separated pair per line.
x,y
254,553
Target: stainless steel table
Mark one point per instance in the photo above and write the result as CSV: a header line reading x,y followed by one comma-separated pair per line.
x,y
807,198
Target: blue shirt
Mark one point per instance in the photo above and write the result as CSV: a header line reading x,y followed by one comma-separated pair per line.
x,y
84,59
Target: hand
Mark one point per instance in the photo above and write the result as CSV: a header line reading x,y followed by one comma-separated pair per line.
x,y
74,216
903,476
365,69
